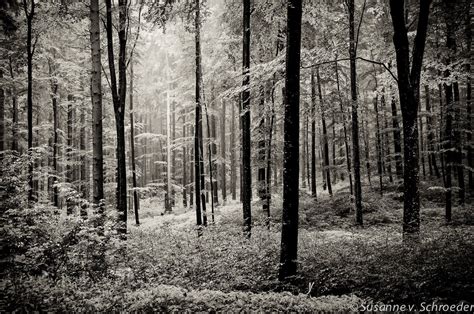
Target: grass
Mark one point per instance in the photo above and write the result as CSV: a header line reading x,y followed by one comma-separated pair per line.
x,y
165,266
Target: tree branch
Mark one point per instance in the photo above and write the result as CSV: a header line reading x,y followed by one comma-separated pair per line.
x,y
358,27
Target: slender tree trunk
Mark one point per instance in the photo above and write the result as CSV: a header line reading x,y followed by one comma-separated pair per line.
x,y
430,136
289,232
84,167
379,145
168,196
355,119
346,141
223,154
469,124
69,159
30,47
458,143
185,163
198,151
2,123
327,171
397,140
14,110
136,198
313,135
388,158
233,172
245,116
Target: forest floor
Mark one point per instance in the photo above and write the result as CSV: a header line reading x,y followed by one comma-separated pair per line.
x,y
165,266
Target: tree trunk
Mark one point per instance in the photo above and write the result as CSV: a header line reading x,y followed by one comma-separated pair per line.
x,y
431,140
327,171
245,116
355,119
2,123
185,162
69,160
397,140
118,98
408,87
223,155
30,47
136,199
233,172
379,145
289,232
313,135
198,151
346,141
14,110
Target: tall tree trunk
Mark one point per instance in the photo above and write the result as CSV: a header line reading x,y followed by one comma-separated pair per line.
x,y
388,158
233,171
54,93
84,167
198,145
313,135
185,162
69,159
14,110
355,119
289,231
409,87
2,123
327,171
136,199
118,98
469,125
397,140
261,152
379,145
346,141
245,116
30,47
223,155
430,136
458,143
168,196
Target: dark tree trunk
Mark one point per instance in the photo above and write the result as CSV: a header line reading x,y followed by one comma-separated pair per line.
x,y
327,171
223,154
245,116
408,87
431,138
14,110
2,123
69,159
313,135
379,145
118,98
458,144
355,119
289,232
84,167
469,125
30,47
201,217
136,199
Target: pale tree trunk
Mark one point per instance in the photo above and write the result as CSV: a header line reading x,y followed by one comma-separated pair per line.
x,y
136,198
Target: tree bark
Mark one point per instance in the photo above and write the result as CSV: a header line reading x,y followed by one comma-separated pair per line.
x,y
289,232
313,135
327,172
408,87
223,154
136,198
355,119
30,47
118,98
245,116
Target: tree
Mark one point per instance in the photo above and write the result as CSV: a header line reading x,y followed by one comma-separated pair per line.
x,y
355,121
409,88
136,198
30,50
289,231
245,117
118,97
198,145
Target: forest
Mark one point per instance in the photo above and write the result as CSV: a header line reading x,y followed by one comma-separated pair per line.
x,y
236,155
